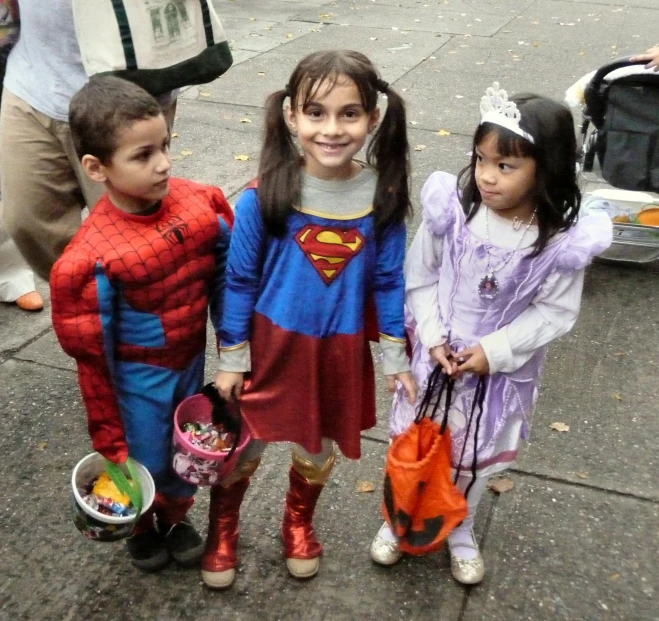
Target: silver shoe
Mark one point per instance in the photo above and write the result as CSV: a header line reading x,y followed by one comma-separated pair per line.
x,y
385,552
467,571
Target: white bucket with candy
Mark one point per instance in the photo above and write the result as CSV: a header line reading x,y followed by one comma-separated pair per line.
x,y
209,436
100,521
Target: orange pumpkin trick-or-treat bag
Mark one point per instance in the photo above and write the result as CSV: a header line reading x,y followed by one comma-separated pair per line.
x,y
421,503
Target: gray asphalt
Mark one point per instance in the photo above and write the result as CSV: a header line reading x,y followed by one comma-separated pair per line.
x,y
577,537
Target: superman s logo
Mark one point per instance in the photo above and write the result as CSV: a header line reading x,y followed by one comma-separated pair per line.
x,y
329,249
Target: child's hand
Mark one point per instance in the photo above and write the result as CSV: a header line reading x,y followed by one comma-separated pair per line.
x,y
475,361
651,56
229,384
442,354
408,382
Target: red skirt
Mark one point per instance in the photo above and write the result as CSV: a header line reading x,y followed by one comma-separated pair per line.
x,y
302,388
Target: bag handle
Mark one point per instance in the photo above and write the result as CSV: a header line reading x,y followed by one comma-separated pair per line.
x,y
126,34
432,391
221,416
134,490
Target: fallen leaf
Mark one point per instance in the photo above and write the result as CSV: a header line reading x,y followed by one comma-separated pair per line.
x,y
443,132
582,475
43,445
617,395
204,94
326,15
245,120
241,158
501,486
365,487
560,427
620,353
480,62
186,152
420,147
289,35
261,73
174,135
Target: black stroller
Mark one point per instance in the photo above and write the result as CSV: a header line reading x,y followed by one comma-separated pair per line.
x,y
619,172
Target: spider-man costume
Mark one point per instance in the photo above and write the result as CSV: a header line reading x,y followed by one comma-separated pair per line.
x,y
129,298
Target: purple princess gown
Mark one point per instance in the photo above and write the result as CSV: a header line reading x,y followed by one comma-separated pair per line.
x,y
467,317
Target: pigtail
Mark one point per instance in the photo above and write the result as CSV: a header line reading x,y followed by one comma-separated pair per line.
x,y
389,154
279,168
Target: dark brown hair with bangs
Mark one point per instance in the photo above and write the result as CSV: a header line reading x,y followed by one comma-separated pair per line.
x,y
557,194
279,174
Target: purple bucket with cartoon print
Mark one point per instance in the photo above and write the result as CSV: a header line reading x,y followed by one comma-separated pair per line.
x,y
192,462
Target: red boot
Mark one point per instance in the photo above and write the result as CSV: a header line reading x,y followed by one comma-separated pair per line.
x,y
218,565
301,547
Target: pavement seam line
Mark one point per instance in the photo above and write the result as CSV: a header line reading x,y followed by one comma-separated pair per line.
x,y
8,354
547,477
597,488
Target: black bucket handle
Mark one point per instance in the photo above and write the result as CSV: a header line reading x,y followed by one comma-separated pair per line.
x,y
222,416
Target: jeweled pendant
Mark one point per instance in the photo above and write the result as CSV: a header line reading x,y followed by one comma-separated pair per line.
x,y
488,287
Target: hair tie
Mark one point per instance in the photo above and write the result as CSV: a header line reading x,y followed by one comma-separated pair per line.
x,y
381,85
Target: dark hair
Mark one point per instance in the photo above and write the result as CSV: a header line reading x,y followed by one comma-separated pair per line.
x,y
557,194
101,108
279,186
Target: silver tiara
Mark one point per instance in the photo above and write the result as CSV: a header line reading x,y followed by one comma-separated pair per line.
x,y
497,109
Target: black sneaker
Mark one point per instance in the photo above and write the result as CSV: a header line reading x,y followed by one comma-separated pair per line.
x,y
148,551
183,542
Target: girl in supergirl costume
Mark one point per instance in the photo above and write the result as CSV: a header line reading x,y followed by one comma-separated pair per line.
x,y
316,239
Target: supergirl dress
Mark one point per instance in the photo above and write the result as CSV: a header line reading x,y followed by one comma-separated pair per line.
x,y
294,314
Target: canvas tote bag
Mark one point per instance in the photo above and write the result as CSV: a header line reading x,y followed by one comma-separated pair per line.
x,y
159,44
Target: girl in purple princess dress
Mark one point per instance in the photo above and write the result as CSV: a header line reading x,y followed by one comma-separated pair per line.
x,y
494,274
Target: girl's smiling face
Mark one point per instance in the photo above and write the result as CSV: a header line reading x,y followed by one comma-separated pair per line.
x,y
506,184
332,128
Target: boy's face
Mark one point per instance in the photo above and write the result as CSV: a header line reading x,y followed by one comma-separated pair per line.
x,y
137,176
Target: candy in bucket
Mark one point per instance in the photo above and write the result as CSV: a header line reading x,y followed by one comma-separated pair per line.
x,y
209,436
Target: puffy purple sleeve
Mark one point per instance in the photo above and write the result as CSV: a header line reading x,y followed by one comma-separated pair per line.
x,y
590,236
439,198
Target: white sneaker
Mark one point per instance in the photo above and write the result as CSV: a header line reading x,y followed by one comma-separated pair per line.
x,y
467,571
384,551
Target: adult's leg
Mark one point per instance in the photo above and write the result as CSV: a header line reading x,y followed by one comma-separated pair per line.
x,y
16,277
42,194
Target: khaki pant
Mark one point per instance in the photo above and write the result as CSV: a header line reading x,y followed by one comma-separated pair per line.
x,y
44,188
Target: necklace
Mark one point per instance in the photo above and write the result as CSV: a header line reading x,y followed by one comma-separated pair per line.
x,y
488,287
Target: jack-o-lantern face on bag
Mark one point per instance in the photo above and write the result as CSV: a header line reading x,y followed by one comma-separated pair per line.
x,y
421,503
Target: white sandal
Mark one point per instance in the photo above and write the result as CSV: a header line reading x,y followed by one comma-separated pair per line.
x,y
383,551
467,571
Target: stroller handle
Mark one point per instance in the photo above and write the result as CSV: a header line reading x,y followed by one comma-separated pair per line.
x,y
602,72
594,93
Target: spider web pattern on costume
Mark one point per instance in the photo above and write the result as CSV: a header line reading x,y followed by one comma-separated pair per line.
x,y
136,289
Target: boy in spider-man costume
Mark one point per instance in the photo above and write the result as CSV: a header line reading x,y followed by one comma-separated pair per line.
x,y
130,297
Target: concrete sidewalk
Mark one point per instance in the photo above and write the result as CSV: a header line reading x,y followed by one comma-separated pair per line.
x,y
577,537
